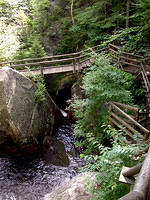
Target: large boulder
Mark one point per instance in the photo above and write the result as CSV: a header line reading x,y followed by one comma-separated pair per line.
x,y
23,120
74,189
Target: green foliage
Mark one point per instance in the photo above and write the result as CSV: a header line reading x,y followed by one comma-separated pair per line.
x,y
36,50
102,83
5,10
40,93
105,82
1,56
32,49
95,22
109,165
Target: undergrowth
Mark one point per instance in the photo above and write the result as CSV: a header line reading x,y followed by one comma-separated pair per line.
x,y
105,149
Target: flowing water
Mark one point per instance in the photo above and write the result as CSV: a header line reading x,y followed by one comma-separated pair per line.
x,y
31,178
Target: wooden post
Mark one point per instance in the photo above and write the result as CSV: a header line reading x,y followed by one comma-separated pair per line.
x,y
110,115
11,64
78,62
133,196
74,65
41,69
137,116
141,187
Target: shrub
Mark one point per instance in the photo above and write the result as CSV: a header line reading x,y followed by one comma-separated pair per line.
x,y
102,83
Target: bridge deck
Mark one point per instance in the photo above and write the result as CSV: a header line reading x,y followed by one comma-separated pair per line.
x,y
59,69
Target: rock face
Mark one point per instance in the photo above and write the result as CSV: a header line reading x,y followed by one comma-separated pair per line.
x,y
74,189
22,119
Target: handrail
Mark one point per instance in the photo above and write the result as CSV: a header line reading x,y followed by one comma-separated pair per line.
x,y
135,61
145,76
127,106
132,171
129,117
115,119
51,57
123,52
141,187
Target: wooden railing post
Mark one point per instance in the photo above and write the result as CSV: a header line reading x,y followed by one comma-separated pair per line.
x,y
110,114
78,62
137,115
74,64
41,69
141,186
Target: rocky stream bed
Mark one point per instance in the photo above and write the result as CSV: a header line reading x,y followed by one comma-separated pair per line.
x,y
31,178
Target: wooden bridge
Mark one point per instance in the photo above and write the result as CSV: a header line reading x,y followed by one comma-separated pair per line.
x,y
135,123
131,120
74,62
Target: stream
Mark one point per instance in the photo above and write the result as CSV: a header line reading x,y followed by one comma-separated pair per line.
x,y
33,177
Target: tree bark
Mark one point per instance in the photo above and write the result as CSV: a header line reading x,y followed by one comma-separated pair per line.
x,y
127,12
72,15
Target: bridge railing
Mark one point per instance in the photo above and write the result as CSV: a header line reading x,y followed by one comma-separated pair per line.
x,y
124,59
132,63
141,190
56,60
126,118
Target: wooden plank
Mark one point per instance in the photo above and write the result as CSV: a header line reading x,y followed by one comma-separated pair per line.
x,y
124,179
133,55
130,118
144,75
48,62
127,58
141,185
63,55
113,51
127,126
130,54
126,106
110,113
74,65
50,70
132,171
145,83
122,128
51,57
41,58
123,62
115,46
44,62
57,69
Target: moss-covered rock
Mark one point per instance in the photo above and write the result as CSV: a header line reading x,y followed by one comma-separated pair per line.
x,y
22,119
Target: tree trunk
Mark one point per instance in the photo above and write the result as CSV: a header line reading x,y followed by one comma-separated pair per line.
x,y
127,13
72,15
